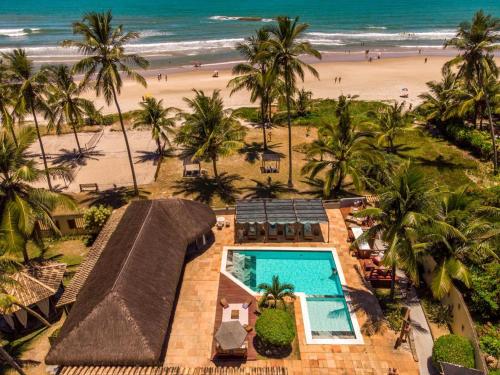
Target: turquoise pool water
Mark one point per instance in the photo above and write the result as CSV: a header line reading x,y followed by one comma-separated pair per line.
x,y
313,273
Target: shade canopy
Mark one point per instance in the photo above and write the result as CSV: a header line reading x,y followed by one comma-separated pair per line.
x,y
231,335
281,211
271,156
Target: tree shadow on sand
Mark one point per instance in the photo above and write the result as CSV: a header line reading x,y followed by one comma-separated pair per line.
x,y
147,156
73,159
206,188
253,151
440,163
115,197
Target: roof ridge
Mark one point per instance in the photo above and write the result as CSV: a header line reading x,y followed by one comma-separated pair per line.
x,y
132,248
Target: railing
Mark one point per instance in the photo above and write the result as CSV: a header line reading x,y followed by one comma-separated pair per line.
x,y
171,370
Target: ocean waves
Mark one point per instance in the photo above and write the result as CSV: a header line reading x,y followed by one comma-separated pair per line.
x,y
346,37
240,18
18,33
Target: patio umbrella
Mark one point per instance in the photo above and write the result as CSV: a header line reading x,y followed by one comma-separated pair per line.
x,y
231,335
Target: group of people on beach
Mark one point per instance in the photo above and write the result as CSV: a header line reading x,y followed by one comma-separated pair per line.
x,y
159,76
338,79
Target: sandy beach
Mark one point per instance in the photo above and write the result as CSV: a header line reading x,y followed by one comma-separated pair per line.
x,y
377,80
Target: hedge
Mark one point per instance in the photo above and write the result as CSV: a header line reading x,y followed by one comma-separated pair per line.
x,y
275,327
453,349
478,142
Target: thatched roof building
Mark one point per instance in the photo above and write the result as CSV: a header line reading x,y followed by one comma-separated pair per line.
x,y
123,311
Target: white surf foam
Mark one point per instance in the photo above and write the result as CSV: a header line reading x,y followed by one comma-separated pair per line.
x,y
16,33
426,35
240,18
153,33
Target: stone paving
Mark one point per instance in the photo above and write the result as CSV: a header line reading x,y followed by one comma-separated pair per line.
x,y
191,337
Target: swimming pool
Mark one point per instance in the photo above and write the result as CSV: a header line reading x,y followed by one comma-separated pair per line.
x,y
318,280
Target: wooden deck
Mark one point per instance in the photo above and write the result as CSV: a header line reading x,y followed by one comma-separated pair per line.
x,y
235,294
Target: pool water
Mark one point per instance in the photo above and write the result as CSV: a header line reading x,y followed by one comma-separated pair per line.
x,y
313,273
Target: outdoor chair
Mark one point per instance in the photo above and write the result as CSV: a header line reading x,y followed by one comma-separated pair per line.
x,y
308,232
289,232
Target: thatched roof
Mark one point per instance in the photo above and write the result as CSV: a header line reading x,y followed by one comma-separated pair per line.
x,y
173,370
122,314
35,283
81,275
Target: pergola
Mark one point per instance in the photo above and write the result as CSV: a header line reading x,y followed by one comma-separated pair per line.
x,y
191,167
271,212
270,162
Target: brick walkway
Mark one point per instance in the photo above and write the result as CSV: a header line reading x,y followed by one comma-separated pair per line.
x,y
190,343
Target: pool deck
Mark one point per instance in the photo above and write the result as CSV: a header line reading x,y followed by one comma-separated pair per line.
x,y
191,339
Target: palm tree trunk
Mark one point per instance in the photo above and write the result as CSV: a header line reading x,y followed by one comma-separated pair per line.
x,y
493,140
41,147
214,164
131,162
26,257
76,139
158,144
263,119
289,120
32,312
393,282
10,361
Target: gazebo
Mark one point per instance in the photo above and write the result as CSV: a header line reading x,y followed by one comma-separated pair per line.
x,y
191,167
270,162
275,219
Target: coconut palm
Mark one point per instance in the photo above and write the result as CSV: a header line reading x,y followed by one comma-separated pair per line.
x,y
392,122
275,292
437,103
22,205
65,101
303,102
340,151
105,61
210,131
286,48
405,216
476,43
153,115
267,189
30,87
7,102
256,75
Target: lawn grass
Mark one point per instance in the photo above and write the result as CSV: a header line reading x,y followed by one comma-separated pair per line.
x,y
441,161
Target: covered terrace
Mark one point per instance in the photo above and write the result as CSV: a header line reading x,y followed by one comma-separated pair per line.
x,y
265,220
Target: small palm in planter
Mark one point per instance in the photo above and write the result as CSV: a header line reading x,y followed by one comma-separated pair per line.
x,y
275,292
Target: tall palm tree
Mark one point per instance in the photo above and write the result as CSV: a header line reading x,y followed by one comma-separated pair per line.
x,y
286,48
65,101
210,130
276,292
476,43
438,102
392,122
267,189
155,116
22,205
30,87
105,61
340,151
7,102
406,213
256,75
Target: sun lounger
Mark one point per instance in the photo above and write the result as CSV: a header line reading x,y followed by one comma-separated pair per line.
x,y
252,231
289,232
308,232
272,231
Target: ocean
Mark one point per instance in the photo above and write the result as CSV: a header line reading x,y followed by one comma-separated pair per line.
x,y
180,31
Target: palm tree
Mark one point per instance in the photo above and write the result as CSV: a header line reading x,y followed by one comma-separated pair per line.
x,y
210,130
476,43
267,189
30,88
21,204
406,213
65,101
256,75
340,151
7,102
286,48
275,292
392,122
153,115
437,103
303,102
104,48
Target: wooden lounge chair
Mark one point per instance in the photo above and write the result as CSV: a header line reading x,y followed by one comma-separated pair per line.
x,y
272,231
308,232
289,232
252,232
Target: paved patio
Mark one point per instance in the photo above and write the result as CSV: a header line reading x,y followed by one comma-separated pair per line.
x,y
191,338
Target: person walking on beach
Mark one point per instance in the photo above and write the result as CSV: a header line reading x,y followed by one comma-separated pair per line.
x,y
340,79
335,79
425,61
166,78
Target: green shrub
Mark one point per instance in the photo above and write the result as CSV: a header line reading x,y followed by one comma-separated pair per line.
x,y
94,219
275,327
474,140
453,349
489,339
437,312
485,291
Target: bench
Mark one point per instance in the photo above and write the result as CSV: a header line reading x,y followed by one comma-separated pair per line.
x,y
88,187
